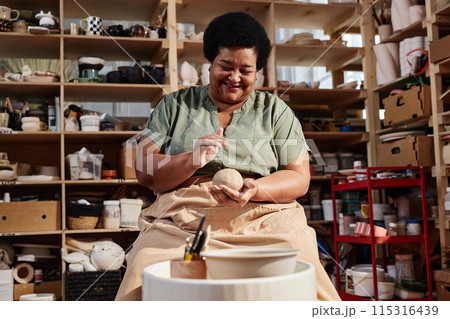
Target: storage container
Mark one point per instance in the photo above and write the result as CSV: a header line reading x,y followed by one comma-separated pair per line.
x,y
111,214
316,212
81,216
442,278
363,280
378,211
130,209
92,285
331,163
412,227
327,206
86,167
404,267
90,123
30,216
345,161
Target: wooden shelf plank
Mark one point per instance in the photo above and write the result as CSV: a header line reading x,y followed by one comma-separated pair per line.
x,y
335,98
16,183
30,90
109,92
311,55
20,45
114,48
200,12
414,30
102,137
300,15
343,138
101,230
26,138
321,178
143,10
396,84
102,182
40,233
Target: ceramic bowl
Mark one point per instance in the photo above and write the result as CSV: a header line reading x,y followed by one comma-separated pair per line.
x,y
249,262
49,171
29,127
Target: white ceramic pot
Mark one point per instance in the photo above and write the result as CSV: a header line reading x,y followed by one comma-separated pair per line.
x,y
30,119
30,127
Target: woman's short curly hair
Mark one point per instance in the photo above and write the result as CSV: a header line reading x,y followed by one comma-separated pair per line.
x,y
236,29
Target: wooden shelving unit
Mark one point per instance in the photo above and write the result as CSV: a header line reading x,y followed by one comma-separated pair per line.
x,y
437,25
52,147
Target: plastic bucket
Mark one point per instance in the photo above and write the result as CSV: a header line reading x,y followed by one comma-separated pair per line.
x,y
90,123
363,280
327,206
379,210
386,290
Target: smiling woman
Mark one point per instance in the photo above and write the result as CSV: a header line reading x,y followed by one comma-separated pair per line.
x,y
195,132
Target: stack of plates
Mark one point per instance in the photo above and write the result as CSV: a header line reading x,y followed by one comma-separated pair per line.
x,y
303,38
400,135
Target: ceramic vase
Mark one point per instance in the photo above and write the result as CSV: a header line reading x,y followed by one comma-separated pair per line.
x,y
205,73
259,78
188,74
180,31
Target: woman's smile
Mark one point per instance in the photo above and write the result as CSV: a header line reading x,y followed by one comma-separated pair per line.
x,y
232,77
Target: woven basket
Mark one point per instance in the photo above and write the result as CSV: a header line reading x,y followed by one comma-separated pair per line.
x,y
82,222
92,285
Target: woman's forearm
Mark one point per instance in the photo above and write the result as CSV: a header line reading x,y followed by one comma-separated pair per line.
x,y
282,186
162,173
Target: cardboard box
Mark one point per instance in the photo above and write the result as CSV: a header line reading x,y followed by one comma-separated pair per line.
x,y
54,287
6,285
442,278
127,162
440,49
413,150
413,103
30,216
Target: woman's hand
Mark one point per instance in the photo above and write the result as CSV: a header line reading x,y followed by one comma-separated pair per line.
x,y
206,148
226,196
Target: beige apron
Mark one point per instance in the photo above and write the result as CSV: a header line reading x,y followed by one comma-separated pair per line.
x,y
174,216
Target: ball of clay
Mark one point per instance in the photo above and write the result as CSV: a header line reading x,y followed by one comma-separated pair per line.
x,y
228,177
107,256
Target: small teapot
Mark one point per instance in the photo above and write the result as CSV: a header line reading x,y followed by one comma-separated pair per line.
x,y
46,18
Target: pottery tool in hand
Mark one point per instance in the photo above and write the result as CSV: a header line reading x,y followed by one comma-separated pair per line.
x,y
190,250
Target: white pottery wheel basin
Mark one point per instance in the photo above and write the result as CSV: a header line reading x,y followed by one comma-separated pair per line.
x,y
158,286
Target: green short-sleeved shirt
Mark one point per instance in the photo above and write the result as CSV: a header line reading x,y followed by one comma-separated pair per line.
x,y
263,136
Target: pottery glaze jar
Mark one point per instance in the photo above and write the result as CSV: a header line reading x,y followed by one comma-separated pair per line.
x,y
111,214
331,163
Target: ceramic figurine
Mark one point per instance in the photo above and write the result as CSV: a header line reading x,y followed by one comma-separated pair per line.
x,y
197,37
180,31
204,71
188,74
259,78
46,19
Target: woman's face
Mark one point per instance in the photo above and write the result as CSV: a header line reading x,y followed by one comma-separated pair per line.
x,y
232,76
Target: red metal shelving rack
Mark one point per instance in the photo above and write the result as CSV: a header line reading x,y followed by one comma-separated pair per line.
x,y
378,184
